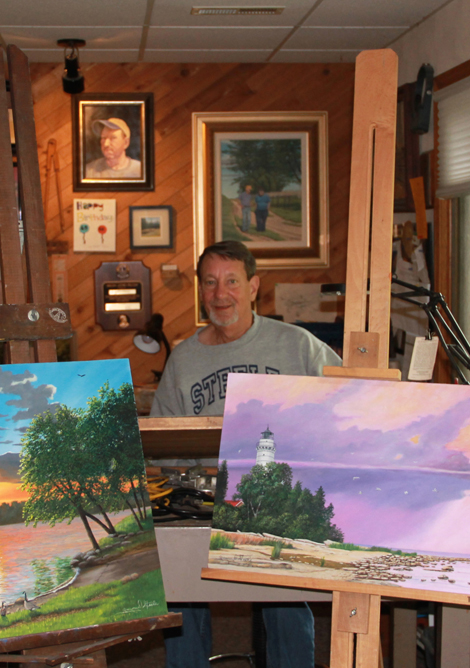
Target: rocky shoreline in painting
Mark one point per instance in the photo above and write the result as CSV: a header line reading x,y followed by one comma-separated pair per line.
x,y
257,552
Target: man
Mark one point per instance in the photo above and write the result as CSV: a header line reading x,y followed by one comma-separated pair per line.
x,y
115,137
194,383
263,201
245,201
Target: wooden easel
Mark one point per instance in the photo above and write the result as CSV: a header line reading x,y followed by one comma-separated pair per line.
x,y
367,319
356,612
27,315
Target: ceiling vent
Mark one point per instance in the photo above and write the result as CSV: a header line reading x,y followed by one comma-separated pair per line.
x,y
237,11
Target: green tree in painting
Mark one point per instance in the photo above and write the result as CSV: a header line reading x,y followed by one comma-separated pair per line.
x,y
272,505
114,438
265,489
52,457
84,463
270,164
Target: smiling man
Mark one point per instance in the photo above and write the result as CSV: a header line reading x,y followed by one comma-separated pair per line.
x,y
194,383
237,340
115,137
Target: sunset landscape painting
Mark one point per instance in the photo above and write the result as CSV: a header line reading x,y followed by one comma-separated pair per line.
x,y
77,545
345,480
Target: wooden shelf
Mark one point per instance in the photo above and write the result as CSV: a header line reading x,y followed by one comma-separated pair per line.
x,y
181,437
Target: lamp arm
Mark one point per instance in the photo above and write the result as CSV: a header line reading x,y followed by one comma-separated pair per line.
x,y
459,349
167,347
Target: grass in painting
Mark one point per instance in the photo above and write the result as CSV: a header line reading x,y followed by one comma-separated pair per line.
x,y
277,549
267,233
129,525
290,216
351,547
230,230
91,604
219,542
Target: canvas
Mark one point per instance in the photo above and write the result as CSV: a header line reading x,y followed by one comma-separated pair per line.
x,y
345,481
77,545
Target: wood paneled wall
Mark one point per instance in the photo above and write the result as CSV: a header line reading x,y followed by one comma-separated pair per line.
x,y
178,91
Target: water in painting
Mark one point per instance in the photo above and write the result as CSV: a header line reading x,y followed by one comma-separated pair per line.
x,y
77,545
345,480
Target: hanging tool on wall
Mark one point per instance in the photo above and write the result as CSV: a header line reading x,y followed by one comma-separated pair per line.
x,y
53,159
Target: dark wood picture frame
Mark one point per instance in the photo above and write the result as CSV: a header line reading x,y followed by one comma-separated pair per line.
x,y
136,110
151,227
406,152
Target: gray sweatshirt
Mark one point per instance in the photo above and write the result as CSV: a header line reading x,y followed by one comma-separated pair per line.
x,y
195,379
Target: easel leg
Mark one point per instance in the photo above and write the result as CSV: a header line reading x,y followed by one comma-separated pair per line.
x,y
368,643
355,614
342,643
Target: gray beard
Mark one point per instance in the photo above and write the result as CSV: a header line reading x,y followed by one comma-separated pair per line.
x,y
223,323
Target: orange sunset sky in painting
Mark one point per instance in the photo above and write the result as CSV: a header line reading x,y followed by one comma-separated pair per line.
x,y
10,491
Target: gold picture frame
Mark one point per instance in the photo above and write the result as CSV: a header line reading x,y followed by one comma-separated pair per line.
x,y
291,157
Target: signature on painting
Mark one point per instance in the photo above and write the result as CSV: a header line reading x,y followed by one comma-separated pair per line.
x,y
140,605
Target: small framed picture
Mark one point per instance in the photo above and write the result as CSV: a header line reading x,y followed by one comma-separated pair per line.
x,y
113,141
151,227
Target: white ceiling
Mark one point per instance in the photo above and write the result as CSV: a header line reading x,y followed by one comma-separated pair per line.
x,y
166,31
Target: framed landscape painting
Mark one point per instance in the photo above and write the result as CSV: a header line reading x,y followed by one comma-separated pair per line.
x,y
77,545
349,485
151,227
262,178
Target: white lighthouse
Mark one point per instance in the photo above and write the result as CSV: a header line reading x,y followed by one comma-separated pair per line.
x,y
266,448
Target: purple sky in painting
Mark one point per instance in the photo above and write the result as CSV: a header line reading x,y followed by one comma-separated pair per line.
x,y
393,458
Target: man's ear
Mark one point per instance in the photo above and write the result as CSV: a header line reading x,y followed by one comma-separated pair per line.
x,y
126,143
254,287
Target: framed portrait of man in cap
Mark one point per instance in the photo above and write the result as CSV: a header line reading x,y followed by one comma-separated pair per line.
x,y
113,142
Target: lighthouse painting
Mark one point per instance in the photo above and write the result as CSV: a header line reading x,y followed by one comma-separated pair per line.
x,y
266,448
345,481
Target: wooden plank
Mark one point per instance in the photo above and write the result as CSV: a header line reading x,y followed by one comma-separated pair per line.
x,y
371,168
449,77
342,642
353,614
186,437
368,644
302,582
13,288
357,372
99,632
419,200
29,322
30,191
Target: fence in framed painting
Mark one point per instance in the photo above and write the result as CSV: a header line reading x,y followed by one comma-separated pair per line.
x,y
77,545
345,484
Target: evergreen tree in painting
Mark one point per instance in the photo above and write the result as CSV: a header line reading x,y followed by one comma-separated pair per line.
x,y
270,504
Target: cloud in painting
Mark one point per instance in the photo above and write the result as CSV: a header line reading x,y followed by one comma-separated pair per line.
x,y
387,409
290,392
312,430
32,400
